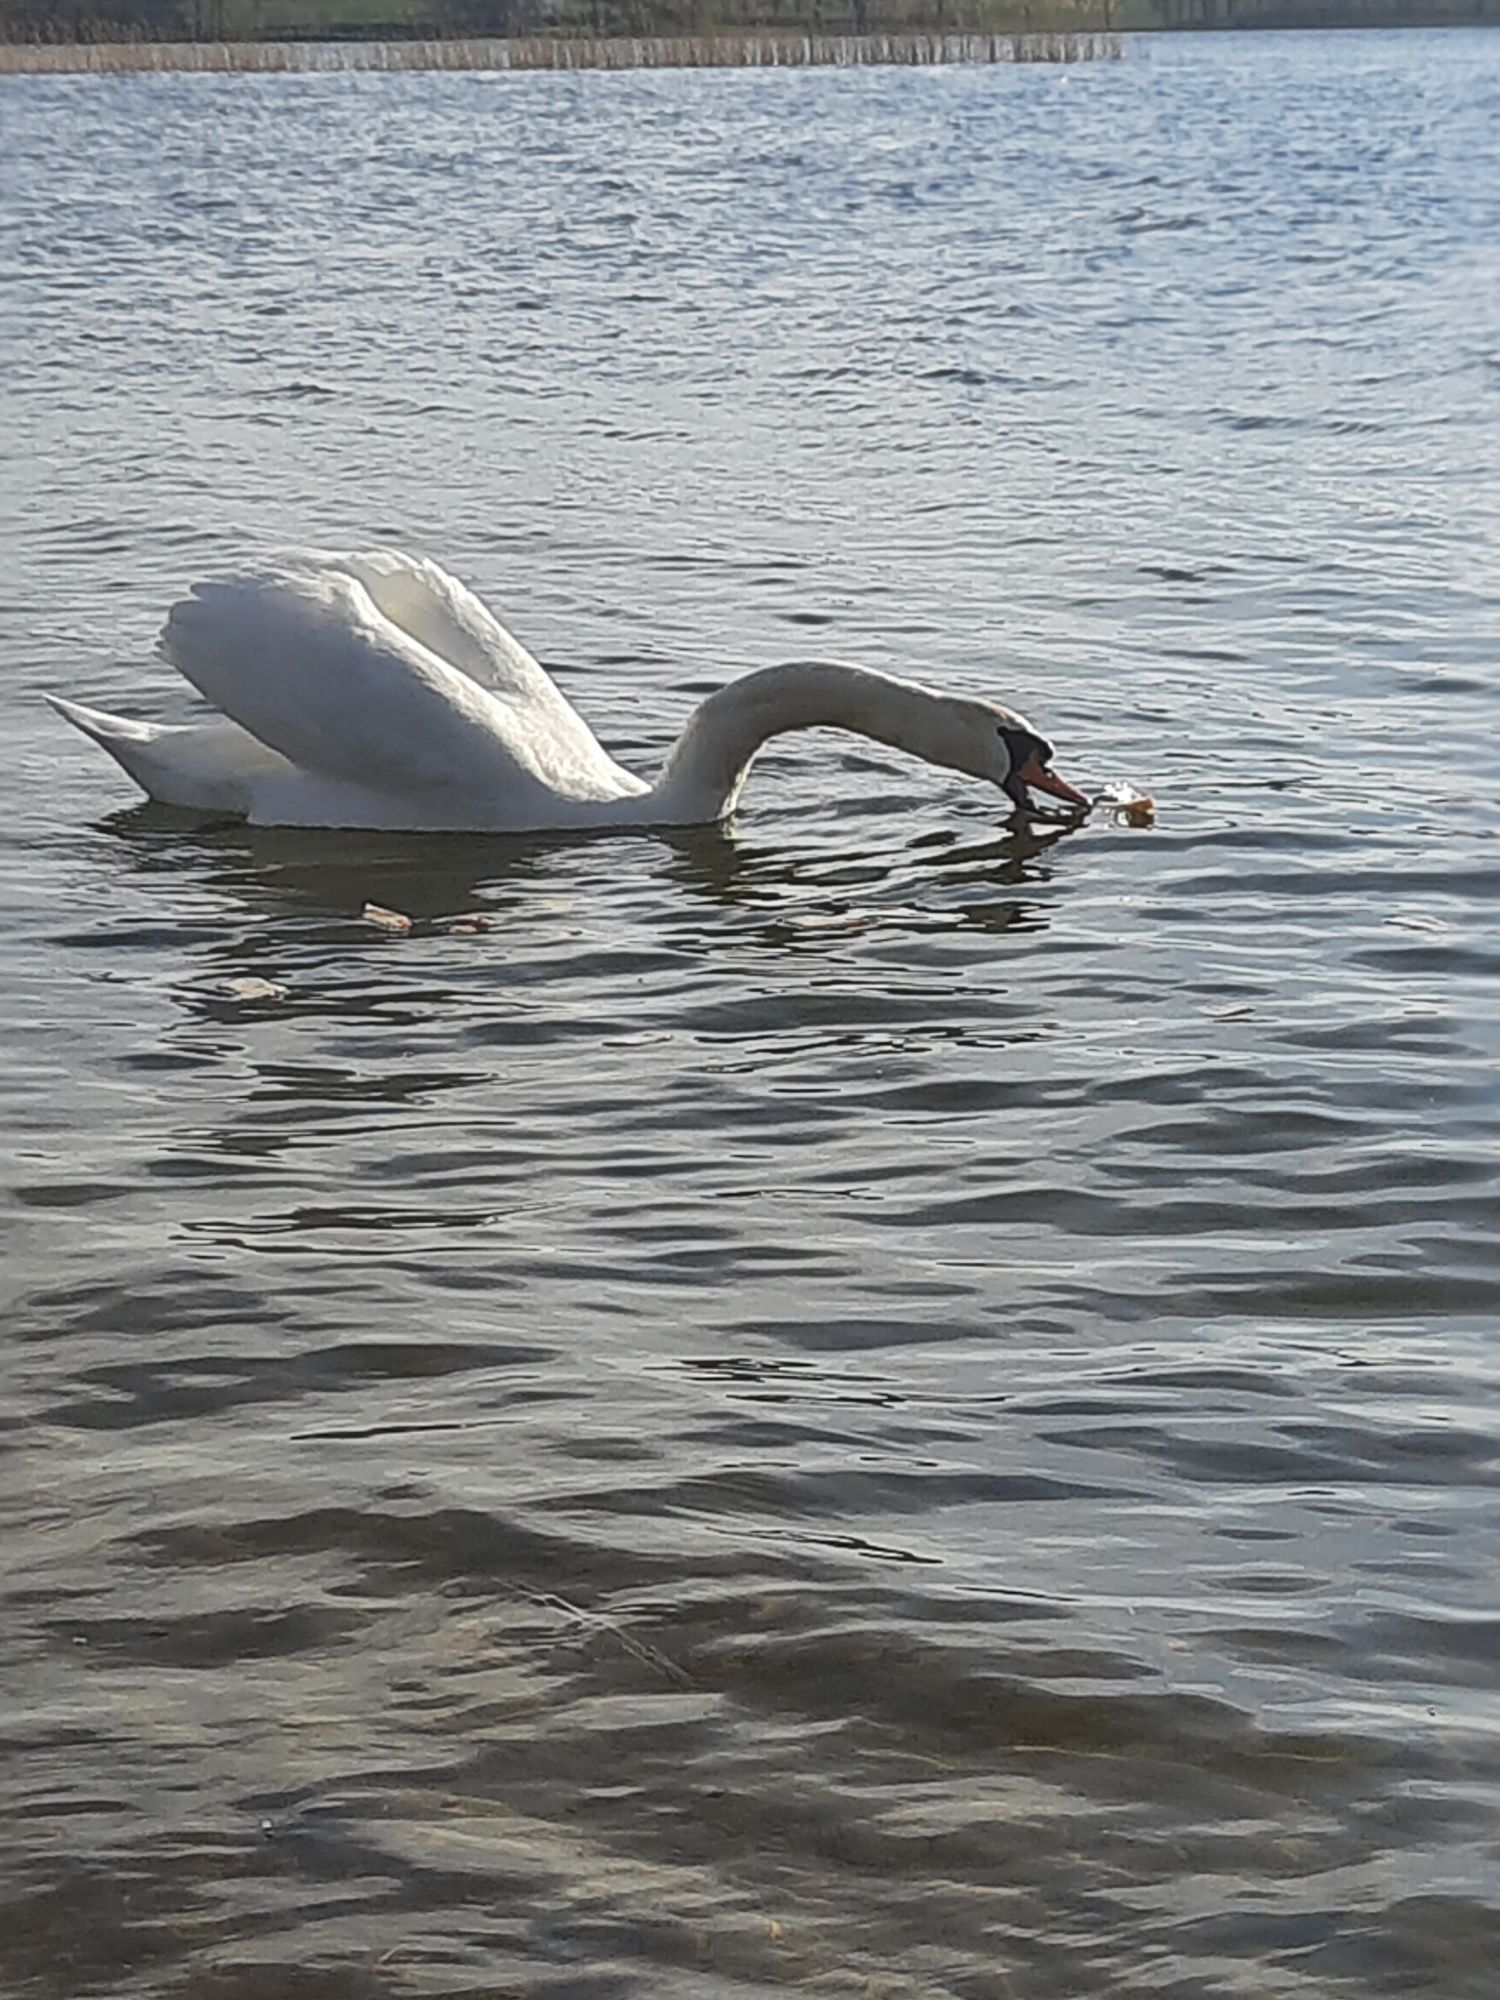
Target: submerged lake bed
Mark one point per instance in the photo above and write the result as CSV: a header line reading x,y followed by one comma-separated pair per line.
x,y
878,1401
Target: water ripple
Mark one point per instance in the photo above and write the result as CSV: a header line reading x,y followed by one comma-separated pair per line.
x,y
874,1403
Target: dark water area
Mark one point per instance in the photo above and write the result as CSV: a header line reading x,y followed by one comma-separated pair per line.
x,y
870,1404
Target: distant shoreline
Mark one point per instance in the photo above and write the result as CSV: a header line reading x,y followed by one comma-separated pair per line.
x,y
902,26
745,49
270,36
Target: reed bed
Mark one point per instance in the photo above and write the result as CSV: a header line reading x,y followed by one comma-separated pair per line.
x,y
745,50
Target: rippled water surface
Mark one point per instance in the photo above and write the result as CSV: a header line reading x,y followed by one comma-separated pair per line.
x,y
872,1404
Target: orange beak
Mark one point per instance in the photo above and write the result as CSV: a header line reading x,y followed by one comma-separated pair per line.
x,y
1036,773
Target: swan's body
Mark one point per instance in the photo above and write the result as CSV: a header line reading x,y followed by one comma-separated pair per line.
x,y
376,691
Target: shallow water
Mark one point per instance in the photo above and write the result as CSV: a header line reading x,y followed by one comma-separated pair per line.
x,y
874,1404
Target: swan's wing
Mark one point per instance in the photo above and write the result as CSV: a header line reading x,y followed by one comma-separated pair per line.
x,y
423,601
446,617
310,666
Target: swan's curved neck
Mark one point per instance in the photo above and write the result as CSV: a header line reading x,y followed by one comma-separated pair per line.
x,y
706,766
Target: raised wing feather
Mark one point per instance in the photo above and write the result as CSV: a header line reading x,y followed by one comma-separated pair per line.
x,y
310,666
443,615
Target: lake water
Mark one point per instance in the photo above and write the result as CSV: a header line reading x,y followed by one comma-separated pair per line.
x,y
872,1404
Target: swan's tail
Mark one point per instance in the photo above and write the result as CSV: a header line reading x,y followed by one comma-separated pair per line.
x,y
129,743
207,767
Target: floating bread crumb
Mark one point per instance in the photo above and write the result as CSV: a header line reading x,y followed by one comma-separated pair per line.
x,y
253,989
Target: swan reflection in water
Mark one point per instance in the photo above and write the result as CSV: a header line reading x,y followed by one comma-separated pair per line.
x,y
278,876
299,1011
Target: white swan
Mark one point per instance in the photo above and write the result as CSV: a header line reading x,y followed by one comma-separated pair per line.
x,y
376,691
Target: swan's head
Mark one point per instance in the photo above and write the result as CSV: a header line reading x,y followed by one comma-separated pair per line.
x,y
988,741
